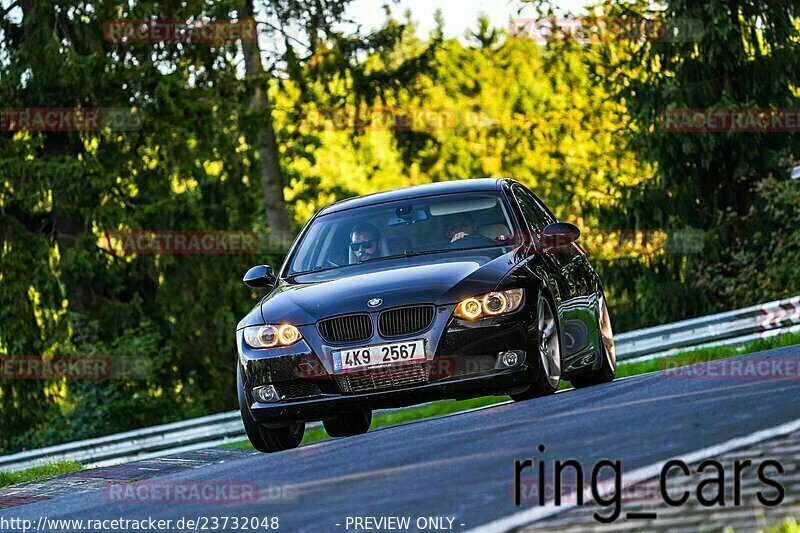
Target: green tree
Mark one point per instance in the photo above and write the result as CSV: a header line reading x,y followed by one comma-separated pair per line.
x,y
746,56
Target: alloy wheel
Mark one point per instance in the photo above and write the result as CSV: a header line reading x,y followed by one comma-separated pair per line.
x,y
549,348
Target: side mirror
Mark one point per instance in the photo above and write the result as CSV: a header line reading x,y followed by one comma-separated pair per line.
x,y
259,277
558,236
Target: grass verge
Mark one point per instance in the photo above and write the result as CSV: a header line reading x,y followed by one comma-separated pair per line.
x,y
684,358
700,355
38,472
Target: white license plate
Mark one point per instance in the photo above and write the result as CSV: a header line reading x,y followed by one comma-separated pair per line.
x,y
379,355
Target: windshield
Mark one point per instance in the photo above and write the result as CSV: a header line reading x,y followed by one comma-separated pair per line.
x,y
415,226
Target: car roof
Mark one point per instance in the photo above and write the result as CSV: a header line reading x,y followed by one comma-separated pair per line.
x,y
415,191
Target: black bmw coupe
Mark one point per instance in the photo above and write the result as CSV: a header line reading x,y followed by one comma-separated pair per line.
x,y
449,290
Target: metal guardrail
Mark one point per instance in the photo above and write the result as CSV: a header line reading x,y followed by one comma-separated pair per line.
x,y
740,325
131,443
733,327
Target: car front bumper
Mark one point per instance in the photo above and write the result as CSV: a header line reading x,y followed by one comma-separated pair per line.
x,y
463,360
319,408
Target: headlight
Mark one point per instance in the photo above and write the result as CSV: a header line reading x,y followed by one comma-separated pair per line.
x,y
491,304
269,336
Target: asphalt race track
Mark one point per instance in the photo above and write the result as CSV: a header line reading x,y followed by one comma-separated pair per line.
x,y
462,466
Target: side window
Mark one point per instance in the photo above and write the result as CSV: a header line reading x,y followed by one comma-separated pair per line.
x,y
534,212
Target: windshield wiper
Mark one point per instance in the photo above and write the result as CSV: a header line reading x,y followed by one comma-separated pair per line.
x,y
441,250
393,256
320,269
426,252
314,271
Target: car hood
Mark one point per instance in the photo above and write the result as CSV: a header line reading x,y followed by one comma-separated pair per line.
x,y
438,279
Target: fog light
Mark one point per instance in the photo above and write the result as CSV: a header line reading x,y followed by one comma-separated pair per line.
x,y
266,394
510,359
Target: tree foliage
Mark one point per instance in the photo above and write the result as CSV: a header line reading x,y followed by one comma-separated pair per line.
x,y
745,56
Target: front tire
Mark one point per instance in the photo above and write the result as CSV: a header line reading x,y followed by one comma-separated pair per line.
x,y
608,367
349,424
548,350
264,439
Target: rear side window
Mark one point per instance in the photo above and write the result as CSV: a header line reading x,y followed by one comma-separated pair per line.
x,y
536,214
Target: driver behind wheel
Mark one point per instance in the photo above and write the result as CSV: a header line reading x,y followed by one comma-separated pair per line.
x,y
364,242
